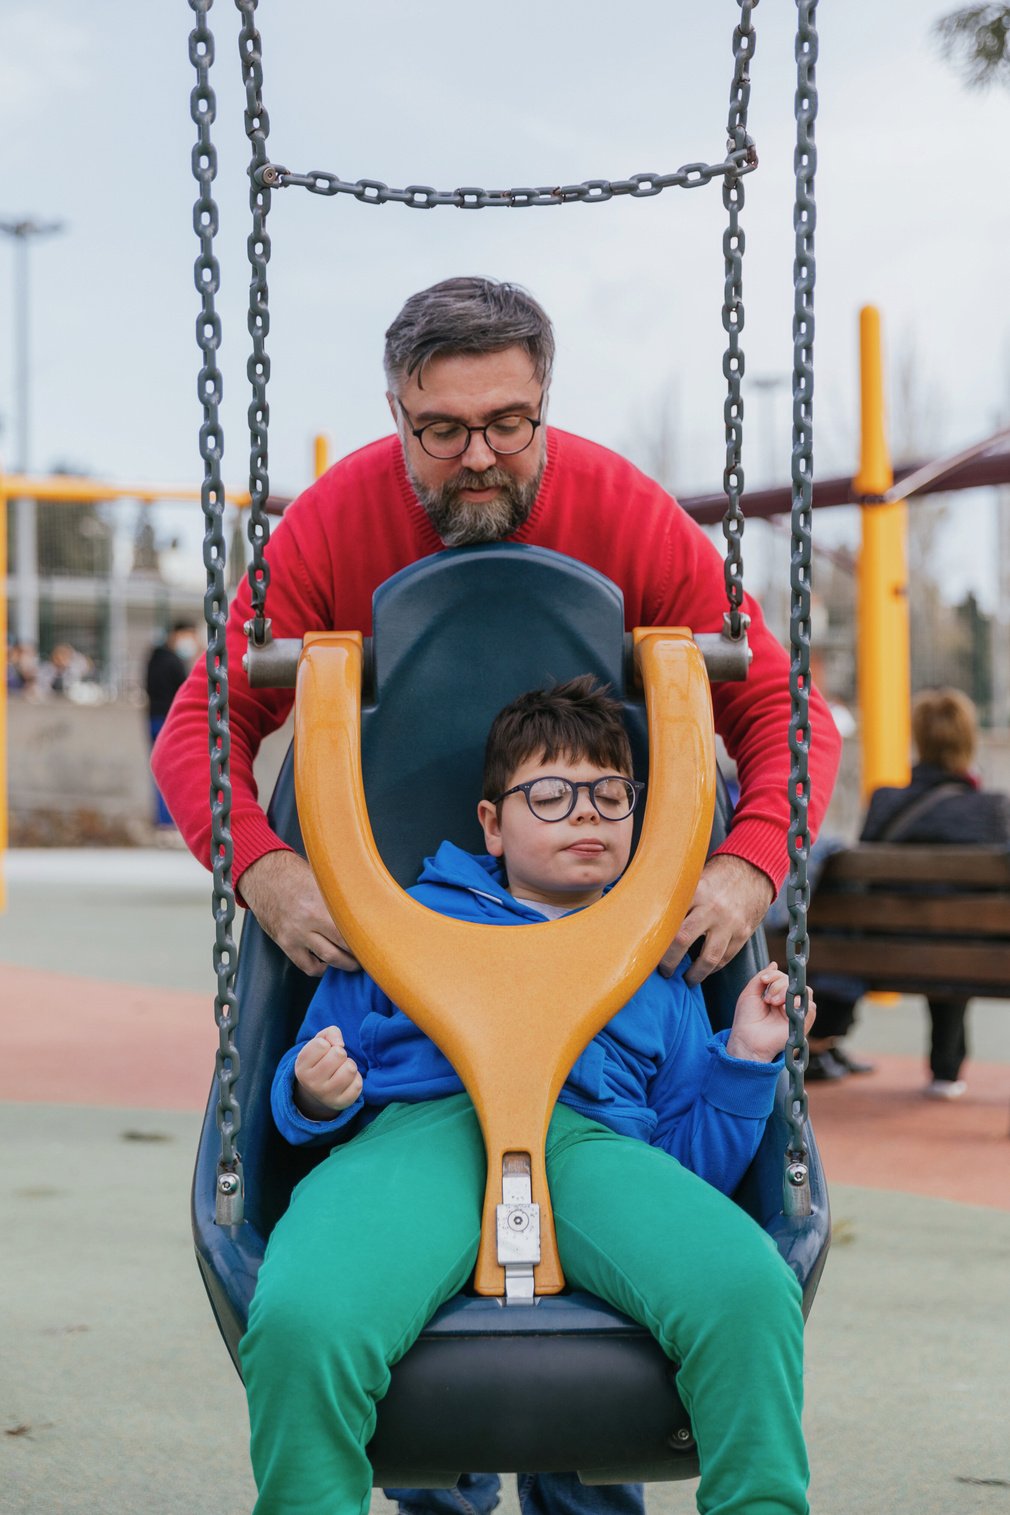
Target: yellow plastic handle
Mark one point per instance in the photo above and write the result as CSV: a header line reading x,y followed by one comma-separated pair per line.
x,y
511,1009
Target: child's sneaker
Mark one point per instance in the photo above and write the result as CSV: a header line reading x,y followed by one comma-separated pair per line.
x,y
945,1088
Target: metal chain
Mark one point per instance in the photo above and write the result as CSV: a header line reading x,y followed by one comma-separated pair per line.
x,y
257,126
733,244
797,1181
470,197
208,335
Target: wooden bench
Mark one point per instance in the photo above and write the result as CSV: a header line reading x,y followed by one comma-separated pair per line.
x,y
918,918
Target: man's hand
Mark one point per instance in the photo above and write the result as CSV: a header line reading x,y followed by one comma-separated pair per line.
x,y
731,900
760,1023
326,1079
282,894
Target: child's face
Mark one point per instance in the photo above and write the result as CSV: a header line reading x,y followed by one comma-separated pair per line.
x,y
567,862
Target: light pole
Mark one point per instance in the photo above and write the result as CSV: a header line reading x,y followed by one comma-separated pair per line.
x,y
768,387
26,556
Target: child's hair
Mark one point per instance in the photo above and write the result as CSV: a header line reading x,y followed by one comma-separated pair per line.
x,y
575,720
944,727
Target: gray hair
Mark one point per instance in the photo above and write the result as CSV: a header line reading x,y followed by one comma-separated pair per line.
x,y
467,316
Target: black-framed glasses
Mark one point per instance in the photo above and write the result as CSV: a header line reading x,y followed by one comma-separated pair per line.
x,y
449,439
554,798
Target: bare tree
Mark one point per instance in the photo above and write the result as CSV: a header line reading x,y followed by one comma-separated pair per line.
x,y
977,39
655,445
917,423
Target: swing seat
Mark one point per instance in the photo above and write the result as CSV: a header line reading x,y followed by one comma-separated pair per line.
x,y
570,1383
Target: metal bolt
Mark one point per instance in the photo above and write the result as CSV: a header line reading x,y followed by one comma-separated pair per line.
x,y
228,1183
797,1174
519,1220
683,1435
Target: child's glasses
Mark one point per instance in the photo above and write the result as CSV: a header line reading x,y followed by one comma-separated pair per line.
x,y
552,799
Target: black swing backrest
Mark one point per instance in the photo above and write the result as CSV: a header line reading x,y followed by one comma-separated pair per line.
x,y
456,637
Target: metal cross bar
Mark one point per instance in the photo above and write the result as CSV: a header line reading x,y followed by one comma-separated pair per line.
x,y
930,473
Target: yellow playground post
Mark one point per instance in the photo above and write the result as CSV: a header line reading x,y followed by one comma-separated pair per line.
x,y
3,698
882,653
320,454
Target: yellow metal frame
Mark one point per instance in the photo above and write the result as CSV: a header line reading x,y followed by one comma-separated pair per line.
x,y
69,489
4,803
883,655
515,1008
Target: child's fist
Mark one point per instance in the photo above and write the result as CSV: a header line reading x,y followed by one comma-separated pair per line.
x,y
326,1074
761,1023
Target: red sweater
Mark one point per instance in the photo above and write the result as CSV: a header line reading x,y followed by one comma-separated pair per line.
x,y
361,522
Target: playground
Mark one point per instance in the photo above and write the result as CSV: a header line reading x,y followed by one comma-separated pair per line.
x,y
616,1314
124,1399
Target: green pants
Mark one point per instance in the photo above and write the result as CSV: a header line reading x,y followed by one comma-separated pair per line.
x,y
354,1270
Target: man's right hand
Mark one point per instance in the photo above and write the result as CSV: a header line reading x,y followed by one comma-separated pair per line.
x,y
282,894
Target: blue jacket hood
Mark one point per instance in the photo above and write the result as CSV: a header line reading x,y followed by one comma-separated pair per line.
x,y
482,877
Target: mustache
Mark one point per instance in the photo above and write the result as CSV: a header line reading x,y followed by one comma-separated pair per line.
x,y
491,478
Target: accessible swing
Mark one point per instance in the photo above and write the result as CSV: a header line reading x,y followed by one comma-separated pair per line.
x,y
556,1381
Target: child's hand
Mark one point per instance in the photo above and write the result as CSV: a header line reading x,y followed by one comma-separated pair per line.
x,y
327,1080
760,1024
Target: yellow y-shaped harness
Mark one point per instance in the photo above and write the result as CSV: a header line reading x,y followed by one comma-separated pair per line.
x,y
510,1009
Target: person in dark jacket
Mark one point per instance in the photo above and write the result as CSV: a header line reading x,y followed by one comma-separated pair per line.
x,y
167,669
944,802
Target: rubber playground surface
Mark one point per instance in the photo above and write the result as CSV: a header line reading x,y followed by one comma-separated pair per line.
x,y
116,1394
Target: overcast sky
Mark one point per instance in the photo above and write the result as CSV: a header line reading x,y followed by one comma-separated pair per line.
x,y
912,216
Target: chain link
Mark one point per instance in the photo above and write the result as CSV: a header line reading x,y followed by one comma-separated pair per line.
x,y
208,335
797,1187
733,245
471,197
257,127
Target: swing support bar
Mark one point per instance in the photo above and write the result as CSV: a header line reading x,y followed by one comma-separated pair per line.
x,y
273,664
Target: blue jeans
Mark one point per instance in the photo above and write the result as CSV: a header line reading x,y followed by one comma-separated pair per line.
x,y
162,816
539,1494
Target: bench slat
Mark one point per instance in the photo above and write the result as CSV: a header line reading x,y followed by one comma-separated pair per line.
x,y
877,862
875,911
916,966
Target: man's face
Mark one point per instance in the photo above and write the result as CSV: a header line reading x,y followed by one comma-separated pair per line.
x,y
482,496
568,862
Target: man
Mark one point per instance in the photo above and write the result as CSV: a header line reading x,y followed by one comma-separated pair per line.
x,y
468,368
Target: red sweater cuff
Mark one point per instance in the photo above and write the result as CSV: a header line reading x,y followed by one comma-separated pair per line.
x,y
763,844
252,838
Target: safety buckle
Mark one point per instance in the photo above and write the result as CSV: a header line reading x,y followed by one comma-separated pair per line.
x,y
518,1229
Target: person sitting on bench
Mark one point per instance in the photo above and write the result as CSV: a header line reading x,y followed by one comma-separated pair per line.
x,y
943,803
656,1124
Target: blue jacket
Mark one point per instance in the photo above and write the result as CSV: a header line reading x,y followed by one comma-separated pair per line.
x,y
655,1071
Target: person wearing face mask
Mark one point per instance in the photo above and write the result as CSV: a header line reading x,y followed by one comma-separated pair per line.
x,y
167,668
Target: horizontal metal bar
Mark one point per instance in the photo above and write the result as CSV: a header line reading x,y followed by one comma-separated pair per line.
x,y
981,473
933,472
275,665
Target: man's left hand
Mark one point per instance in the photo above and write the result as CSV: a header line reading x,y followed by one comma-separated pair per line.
x,y
730,902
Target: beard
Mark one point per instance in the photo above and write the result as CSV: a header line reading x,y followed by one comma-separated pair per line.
x,y
466,523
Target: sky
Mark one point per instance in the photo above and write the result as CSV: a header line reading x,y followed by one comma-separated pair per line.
x,y
911,216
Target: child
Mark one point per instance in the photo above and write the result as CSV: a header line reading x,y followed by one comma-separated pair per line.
x,y
657,1116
